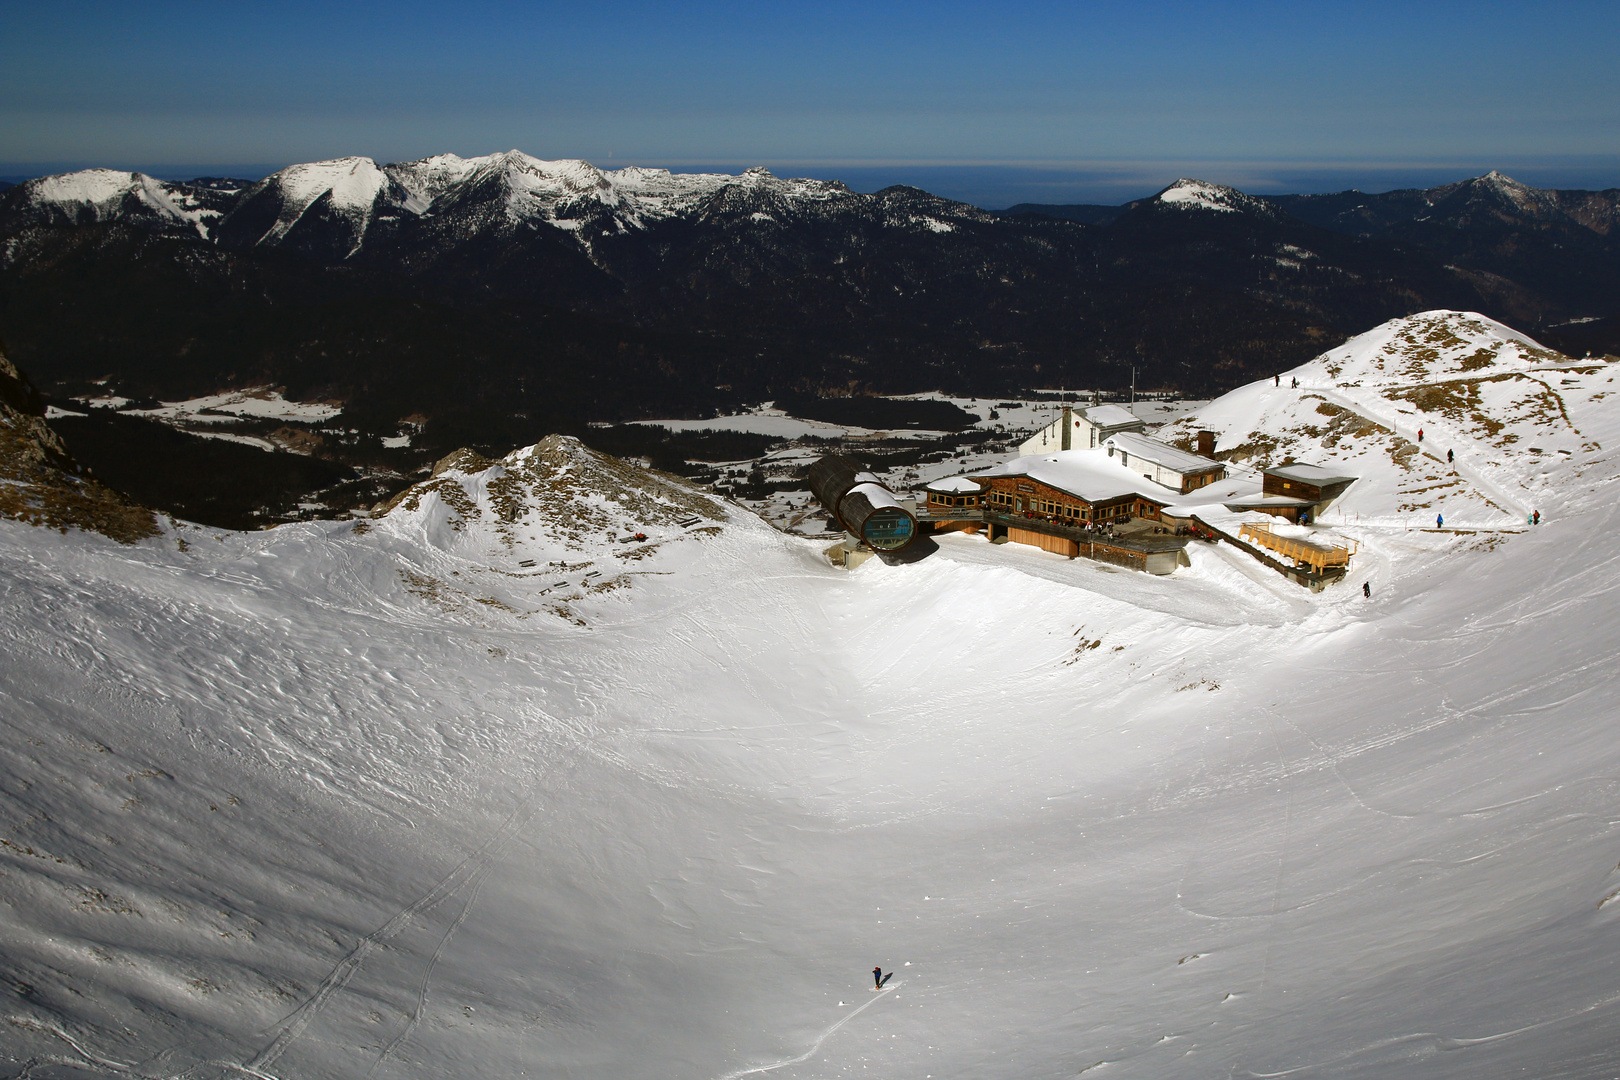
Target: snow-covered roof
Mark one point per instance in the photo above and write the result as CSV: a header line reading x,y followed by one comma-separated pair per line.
x,y
1160,453
1110,416
1086,474
876,494
1307,474
1217,496
953,485
1230,520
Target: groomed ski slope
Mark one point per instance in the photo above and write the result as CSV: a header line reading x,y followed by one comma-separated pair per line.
x,y
317,802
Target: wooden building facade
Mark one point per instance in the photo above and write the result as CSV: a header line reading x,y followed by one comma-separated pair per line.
x,y
1038,498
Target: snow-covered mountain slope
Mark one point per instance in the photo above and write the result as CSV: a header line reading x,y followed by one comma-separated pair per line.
x,y
477,789
1203,195
326,197
494,194
332,208
105,194
1528,428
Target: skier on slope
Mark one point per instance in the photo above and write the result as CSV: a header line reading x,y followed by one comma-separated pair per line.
x,y
1366,589
1451,458
1439,521
877,977
1420,434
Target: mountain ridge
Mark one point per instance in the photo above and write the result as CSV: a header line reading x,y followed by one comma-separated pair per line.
x,y
533,796
559,293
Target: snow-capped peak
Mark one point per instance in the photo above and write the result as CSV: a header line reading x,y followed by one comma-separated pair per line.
x,y
1207,196
103,194
334,204
1429,346
88,187
353,181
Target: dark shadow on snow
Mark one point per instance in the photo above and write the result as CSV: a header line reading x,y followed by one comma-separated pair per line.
x,y
918,550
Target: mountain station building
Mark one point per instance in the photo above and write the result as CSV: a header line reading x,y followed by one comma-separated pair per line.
x,y
1081,429
1296,491
1162,463
1074,503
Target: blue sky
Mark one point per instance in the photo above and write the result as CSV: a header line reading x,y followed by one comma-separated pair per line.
x,y
995,104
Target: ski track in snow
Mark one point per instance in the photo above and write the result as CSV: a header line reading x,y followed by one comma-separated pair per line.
x,y
1383,827
815,1047
427,973
469,873
1421,1041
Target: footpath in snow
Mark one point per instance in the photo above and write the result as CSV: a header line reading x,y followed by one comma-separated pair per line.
x,y
480,789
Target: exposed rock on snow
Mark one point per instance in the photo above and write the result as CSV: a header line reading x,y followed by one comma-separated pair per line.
x,y
1524,424
1202,195
558,493
107,194
511,189
477,789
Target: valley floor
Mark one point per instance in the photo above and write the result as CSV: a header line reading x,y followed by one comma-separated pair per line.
x,y
274,807
486,787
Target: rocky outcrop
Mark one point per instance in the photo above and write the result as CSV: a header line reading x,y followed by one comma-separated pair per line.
x,y
41,484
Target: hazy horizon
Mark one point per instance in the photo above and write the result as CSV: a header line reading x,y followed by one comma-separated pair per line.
x,y
1032,102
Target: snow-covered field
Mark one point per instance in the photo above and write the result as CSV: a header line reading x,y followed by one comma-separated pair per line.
x,y
479,790
1006,422
256,403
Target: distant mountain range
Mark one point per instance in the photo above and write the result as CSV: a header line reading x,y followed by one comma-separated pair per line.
x,y
502,297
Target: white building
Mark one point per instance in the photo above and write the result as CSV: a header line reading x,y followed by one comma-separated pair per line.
x,y
1163,463
1081,429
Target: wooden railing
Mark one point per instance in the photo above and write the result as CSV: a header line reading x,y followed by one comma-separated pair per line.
x,y
1147,544
1316,556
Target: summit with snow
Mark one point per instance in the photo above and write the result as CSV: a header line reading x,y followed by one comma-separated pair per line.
x,y
360,194
558,765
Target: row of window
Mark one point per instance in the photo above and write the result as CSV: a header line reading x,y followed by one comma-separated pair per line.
x,y
1067,510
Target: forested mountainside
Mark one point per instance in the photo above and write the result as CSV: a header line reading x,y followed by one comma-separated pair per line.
x,y
476,787
591,292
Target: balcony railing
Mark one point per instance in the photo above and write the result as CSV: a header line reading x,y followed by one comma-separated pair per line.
x,y
1147,544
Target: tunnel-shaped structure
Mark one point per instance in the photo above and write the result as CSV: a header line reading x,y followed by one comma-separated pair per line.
x,y
861,504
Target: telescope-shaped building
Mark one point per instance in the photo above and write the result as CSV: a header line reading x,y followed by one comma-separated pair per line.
x,y
860,502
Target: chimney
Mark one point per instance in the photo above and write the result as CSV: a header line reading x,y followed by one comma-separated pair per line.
x,y
1206,444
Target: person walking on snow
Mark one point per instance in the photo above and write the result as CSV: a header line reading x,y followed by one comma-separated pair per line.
x,y
1535,519
1420,434
877,976
1276,380
1451,459
1366,589
1439,521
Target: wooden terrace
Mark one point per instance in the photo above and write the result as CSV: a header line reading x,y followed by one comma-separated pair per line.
x,y
1134,545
